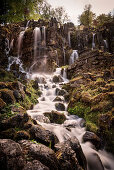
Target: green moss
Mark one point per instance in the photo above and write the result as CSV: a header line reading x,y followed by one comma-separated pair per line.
x,y
6,76
91,127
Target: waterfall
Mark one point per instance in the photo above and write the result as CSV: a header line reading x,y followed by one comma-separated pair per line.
x,y
27,25
96,160
11,44
64,73
69,38
20,39
106,44
57,59
37,40
64,56
93,41
7,46
74,56
44,35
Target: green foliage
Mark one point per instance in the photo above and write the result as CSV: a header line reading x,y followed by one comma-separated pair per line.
x,y
79,110
86,18
6,76
103,18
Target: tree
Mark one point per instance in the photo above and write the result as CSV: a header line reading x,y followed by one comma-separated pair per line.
x,y
87,17
103,18
61,15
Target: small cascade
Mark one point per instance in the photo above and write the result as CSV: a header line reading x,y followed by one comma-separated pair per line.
x,y
37,41
64,73
74,56
20,39
11,44
57,59
106,44
93,41
64,55
44,35
7,47
27,25
69,38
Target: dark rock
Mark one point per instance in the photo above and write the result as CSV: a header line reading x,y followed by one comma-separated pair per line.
x,y
54,86
2,104
7,96
67,97
41,153
57,99
93,138
55,117
60,92
17,95
35,165
15,121
57,79
35,84
43,136
70,154
22,135
60,106
10,155
8,134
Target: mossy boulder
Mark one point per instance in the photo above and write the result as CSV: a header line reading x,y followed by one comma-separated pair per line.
x,y
7,96
55,117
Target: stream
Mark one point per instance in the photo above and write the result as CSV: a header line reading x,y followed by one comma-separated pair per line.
x,y
96,160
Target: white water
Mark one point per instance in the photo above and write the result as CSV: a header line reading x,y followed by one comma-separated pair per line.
x,y
44,35
20,39
106,44
69,38
93,41
74,56
46,104
64,55
37,40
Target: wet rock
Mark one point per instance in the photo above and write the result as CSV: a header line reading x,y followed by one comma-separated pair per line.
x,y
7,96
60,106
71,155
22,135
35,165
60,92
43,136
8,134
42,118
55,117
57,79
15,121
93,138
67,97
41,153
35,84
54,86
10,155
17,95
57,99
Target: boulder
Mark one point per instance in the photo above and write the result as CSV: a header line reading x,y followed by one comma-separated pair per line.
x,y
35,165
60,92
10,155
57,99
43,136
41,153
60,106
15,121
22,135
7,96
93,138
70,154
57,79
8,134
55,117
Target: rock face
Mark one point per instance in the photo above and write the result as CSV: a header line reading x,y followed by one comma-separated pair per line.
x,y
57,79
71,155
41,153
55,117
41,135
10,155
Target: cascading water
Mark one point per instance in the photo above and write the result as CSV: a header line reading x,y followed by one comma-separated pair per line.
x,y
74,56
11,44
93,41
7,47
27,25
97,160
44,35
57,59
106,44
64,55
64,73
69,38
37,41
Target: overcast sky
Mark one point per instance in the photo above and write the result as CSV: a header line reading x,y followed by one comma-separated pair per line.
x,y
75,7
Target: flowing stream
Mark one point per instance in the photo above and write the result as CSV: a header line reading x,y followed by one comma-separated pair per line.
x,y
97,160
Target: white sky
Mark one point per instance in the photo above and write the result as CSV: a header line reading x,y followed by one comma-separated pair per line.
x,y
75,7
